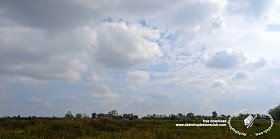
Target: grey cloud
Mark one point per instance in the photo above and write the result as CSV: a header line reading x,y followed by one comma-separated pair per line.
x,y
195,13
261,62
29,53
225,59
241,75
50,14
216,22
56,15
66,14
139,7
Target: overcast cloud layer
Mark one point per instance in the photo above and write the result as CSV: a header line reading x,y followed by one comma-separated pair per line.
x,y
141,56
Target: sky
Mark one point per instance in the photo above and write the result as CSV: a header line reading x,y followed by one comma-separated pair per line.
x,y
140,56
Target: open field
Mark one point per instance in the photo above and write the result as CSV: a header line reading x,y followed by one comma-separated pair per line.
x,y
128,129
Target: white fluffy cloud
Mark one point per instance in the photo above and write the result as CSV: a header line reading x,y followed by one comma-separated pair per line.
x,y
122,45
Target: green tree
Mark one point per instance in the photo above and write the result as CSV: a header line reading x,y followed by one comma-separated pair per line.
x,y
190,116
173,117
214,114
85,116
180,115
93,115
242,116
275,112
79,116
113,113
69,115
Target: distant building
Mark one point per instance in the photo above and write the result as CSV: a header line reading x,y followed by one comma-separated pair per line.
x,y
125,116
130,116
117,117
102,115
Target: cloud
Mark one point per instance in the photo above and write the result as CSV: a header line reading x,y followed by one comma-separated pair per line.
x,y
102,92
50,15
249,8
219,83
241,75
226,59
122,45
233,58
261,62
38,102
115,49
32,54
99,89
194,13
136,8
216,22
137,80
35,100
138,76
273,27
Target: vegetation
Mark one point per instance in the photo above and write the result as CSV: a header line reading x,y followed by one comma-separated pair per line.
x,y
128,126
275,113
110,128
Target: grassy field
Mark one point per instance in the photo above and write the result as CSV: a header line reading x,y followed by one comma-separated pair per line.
x,y
119,129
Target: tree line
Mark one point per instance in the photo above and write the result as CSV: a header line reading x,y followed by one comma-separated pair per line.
x,y
274,112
